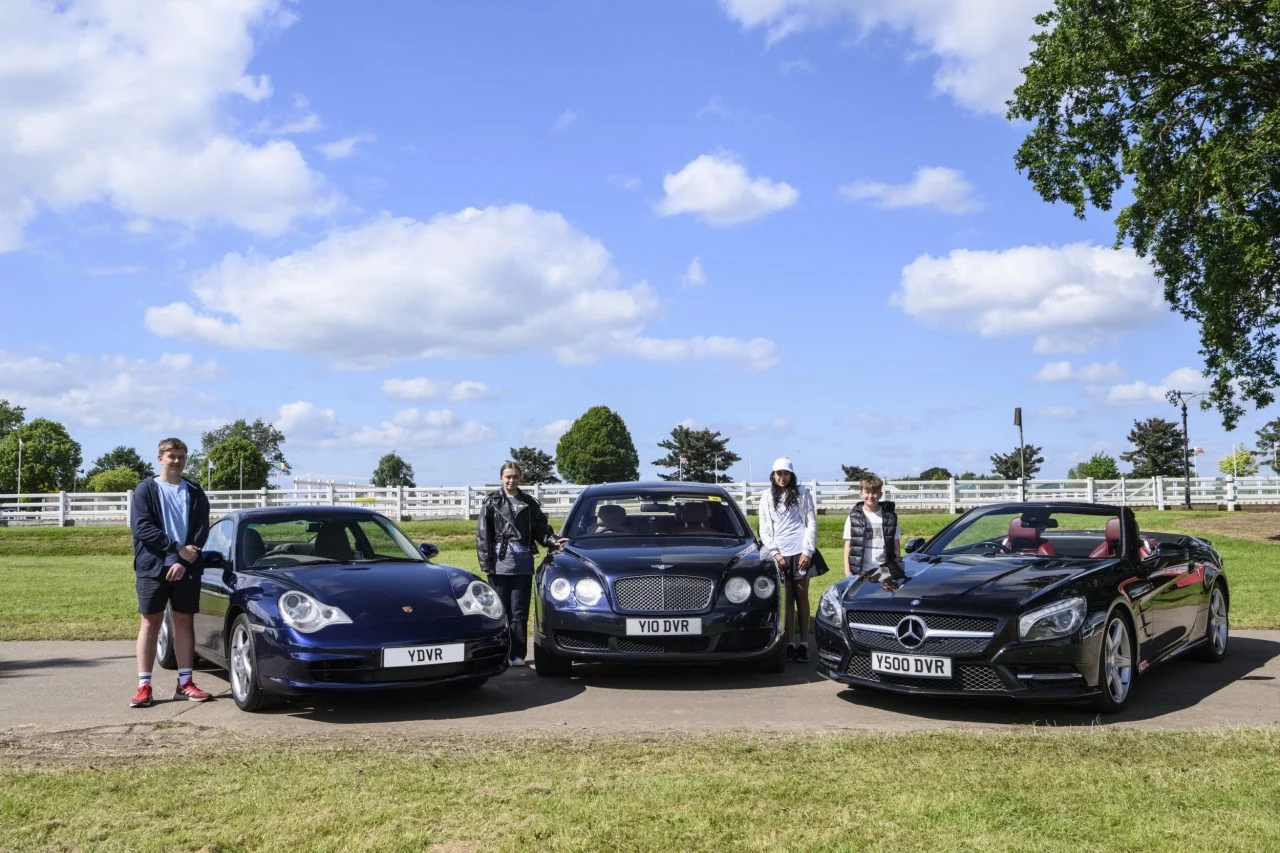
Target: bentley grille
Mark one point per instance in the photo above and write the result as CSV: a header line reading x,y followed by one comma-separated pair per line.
x,y
663,593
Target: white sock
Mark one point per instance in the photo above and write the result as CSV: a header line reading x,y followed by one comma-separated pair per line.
x,y
144,678
184,675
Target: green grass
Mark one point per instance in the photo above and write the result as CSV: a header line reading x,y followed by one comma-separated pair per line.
x,y
77,583
1047,790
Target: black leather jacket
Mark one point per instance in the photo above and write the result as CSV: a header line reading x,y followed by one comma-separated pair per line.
x,y
496,528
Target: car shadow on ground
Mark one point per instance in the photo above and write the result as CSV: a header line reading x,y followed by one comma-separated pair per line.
x,y
18,668
1171,687
689,676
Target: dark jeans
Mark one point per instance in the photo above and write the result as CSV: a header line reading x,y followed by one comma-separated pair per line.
x,y
515,591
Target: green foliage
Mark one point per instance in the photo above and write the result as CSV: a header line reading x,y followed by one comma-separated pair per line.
x,y
1176,103
855,473
707,456
227,459
50,458
392,471
11,417
1157,449
1269,443
597,449
122,479
121,457
1240,463
264,436
1007,466
1099,466
935,474
536,466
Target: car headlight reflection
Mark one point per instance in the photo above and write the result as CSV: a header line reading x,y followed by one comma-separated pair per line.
x,y
588,591
764,586
830,609
1059,619
480,598
560,589
303,613
737,590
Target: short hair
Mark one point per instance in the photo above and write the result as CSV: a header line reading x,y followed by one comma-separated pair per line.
x,y
171,444
872,482
513,466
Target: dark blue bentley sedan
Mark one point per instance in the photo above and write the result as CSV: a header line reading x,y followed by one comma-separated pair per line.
x,y
657,573
298,600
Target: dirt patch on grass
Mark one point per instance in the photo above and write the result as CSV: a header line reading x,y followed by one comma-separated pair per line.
x,y
1255,526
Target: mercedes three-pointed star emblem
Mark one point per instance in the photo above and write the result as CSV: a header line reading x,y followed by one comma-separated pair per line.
x,y
911,631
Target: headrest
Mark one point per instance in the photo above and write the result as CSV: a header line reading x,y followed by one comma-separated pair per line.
x,y
612,515
1113,530
1019,532
696,512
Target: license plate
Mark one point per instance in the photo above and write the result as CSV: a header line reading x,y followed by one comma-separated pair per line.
x,y
916,666
424,655
663,627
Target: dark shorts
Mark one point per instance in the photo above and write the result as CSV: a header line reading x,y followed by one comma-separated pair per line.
x,y
181,595
791,572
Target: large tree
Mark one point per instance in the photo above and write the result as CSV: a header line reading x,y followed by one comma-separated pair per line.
x,y
121,457
1099,466
1269,444
536,466
50,458
113,480
935,473
597,449
1173,103
855,473
1007,466
392,471
237,464
706,456
264,436
1157,449
11,417
1240,462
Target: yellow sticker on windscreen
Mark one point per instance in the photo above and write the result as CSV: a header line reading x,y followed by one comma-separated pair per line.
x,y
715,498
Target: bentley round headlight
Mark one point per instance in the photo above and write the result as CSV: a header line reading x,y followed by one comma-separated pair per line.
x,y
764,586
737,590
588,591
560,589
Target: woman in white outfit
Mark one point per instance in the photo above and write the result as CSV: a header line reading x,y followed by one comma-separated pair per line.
x,y
789,531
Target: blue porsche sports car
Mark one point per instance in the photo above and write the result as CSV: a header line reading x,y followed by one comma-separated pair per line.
x,y
297,600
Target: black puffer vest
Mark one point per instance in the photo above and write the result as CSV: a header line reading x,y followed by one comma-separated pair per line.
x,y
860,534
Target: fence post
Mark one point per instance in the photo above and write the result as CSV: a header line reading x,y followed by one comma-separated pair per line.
x,y
953,496
62,509
466,501
128,505
1091,492
333,496
1158,485
1231,493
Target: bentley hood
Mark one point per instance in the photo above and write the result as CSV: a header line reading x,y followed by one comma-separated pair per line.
x,y
705,559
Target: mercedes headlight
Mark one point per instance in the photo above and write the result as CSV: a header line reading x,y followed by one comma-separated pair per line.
x,y
829,608
560,589
764,586
480,598
1059,619
303,613
737,590
588,591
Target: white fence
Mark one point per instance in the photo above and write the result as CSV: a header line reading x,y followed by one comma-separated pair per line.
x,y
952,496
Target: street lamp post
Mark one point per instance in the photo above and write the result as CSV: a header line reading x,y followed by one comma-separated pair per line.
x,y
1176,398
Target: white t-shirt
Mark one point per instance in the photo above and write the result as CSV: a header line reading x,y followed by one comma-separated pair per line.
x,y
789,530
873,549
173,508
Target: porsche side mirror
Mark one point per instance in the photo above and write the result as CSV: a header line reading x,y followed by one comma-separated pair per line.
x,y
213,560
428,550
914,544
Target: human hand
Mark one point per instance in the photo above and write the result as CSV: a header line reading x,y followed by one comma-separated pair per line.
x,y
804,562
561,542
190,553
175,572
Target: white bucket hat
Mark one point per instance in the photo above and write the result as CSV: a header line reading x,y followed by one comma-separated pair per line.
x,y
782,463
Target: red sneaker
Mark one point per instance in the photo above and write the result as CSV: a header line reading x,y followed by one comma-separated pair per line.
x,y
142,699
190,692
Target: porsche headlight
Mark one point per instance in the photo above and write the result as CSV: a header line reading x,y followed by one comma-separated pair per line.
x,y
588,591
560,589
303,613
1059,619
764,586
737,590
480,598
829,608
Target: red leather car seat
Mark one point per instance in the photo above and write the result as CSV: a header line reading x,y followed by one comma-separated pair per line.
x,y
1024,539
1110,547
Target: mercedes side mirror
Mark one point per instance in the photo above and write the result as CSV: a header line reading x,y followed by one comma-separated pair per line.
x,y
914,544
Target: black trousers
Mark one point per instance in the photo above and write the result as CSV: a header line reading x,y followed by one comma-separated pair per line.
x,y
515,592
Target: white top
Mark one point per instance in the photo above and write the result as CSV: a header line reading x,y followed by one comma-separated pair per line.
x,y
173,507
873,550
789,530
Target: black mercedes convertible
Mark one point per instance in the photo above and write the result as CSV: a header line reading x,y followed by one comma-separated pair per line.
x,y
1034,601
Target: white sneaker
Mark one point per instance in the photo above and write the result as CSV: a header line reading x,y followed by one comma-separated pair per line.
x,y
517,661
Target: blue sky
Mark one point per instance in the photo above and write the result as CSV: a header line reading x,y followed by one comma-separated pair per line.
x,y
449,229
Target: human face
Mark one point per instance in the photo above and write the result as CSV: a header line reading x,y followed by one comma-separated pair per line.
x,y
171,464
783,478
510,481
871,498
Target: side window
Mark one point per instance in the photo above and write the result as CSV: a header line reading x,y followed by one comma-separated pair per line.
x,y
220,538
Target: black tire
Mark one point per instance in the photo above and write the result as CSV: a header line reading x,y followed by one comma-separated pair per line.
x,y
1218,631
1117,673
242,668
166,652
548,664
774,662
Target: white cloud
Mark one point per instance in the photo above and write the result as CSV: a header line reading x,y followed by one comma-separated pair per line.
x,y
420,388
307,424
1058,413
626,182
1063,371
877,423
470,391
693,274
1068,296
124,104
566,118
713,109
441,280
717,189
799,65
755,354
1182,379
415,428
340,149
932,186
980,45
548,435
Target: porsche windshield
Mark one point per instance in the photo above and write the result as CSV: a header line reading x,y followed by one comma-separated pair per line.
x,y
657,514
1033,531
295,541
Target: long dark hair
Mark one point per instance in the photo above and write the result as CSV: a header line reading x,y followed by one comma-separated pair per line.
x,y
786,495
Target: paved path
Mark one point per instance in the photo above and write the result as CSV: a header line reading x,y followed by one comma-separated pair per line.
x,y
51,687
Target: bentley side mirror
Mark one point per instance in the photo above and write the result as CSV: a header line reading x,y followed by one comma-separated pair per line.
x,y
428,550
914,544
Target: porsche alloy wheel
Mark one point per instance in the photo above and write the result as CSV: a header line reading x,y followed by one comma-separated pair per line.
x,y
242,665
166,653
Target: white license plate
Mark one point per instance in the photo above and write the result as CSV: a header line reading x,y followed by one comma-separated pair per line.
x,y
916,666
424,655
664,626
